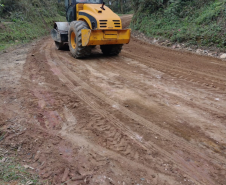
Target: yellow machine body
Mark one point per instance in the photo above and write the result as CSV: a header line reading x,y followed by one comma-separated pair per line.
x,y
107,26
105,37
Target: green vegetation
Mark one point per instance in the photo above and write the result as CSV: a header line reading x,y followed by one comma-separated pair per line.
x,y
10,171
195,22
120,6
25,20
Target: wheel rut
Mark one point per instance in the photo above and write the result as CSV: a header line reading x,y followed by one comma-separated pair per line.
x,y
217,160
126,72
112,119
182,74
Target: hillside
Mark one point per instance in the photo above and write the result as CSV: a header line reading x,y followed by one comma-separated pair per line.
x,y
199,23
25,20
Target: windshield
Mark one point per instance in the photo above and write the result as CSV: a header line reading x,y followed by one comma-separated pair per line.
x,y
90,1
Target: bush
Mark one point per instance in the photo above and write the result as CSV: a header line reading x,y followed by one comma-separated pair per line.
x,y
32,19
197,22
30,10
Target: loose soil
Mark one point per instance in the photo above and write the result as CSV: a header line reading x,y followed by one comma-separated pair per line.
x,y
151,115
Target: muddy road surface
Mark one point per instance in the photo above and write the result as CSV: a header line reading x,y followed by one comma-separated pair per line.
x,y
148,116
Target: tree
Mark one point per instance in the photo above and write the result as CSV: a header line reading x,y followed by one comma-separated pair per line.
x,y
1,5
121,4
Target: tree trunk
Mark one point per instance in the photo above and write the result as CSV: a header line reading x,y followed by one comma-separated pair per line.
x,y
121,3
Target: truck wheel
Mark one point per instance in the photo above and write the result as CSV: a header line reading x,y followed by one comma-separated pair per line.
x,y
111,49
59,45
75,40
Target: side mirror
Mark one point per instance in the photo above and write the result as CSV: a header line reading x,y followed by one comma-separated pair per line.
x,y
102,7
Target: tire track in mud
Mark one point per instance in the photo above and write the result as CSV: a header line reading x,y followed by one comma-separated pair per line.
x,y
82,63
155,80
116,150
77,90
102,114
147,146
102,127
121,144
181,73
125,72
183,81
46,170
217,160
140,81
115,139
181,86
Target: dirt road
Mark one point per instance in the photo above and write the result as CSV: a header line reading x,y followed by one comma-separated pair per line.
x,y
148,116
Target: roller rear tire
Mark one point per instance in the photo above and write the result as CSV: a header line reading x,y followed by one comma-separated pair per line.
x,y
111,50
75,40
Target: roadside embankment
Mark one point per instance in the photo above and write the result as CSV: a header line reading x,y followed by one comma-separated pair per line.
x,y
24,20
198,23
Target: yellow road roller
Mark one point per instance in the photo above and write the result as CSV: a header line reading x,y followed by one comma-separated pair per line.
x,y
90,23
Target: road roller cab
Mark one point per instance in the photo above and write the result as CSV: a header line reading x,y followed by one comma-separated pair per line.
x,y
90,23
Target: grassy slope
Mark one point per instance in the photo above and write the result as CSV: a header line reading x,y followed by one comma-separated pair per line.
x,y
203,25
28,22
